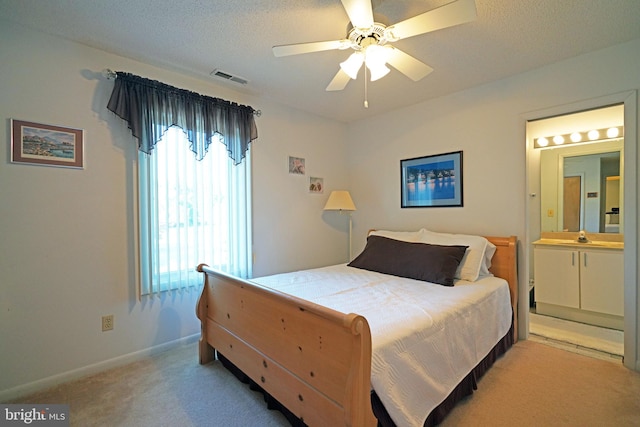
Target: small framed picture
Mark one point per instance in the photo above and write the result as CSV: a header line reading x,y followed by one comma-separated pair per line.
x,y
46,145
432,181
296,165
316,185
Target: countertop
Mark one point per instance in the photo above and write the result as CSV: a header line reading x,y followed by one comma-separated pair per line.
x,y
591,244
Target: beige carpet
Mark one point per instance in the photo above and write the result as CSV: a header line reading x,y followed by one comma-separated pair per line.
x,y
168,390
539,385
532,385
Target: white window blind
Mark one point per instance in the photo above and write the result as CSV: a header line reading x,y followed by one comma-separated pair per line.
x,y
192,212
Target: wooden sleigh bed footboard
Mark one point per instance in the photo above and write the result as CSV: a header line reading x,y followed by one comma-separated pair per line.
x,y
313,360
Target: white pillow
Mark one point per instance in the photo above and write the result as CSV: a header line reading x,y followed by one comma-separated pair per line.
x,y
489,251
477,258
405,236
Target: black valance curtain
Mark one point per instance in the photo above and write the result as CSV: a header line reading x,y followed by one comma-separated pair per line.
x,y
151,107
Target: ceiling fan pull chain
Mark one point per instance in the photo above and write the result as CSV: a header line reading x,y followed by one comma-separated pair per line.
x,y
366,96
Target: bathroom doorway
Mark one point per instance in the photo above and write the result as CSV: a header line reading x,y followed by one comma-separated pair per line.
x,y
566,121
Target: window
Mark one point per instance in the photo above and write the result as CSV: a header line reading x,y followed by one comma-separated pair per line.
x,y
191,212
193,180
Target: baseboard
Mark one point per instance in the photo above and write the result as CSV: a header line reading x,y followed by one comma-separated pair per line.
x,y
603,320
35,386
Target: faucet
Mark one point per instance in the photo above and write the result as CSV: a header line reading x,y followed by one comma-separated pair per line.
x,y
582,237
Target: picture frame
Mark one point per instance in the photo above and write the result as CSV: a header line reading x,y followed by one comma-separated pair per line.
x,y
316,185
432,181
46,145
296,165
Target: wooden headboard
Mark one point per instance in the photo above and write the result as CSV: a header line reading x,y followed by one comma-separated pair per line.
x,y
504,264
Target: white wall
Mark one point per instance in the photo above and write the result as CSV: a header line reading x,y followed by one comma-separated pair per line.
x,y
488,124
68,251
291,230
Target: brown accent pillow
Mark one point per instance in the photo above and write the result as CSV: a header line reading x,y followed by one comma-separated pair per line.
x,y
420,261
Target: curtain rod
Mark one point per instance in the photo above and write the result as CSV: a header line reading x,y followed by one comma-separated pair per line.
x,y
111,75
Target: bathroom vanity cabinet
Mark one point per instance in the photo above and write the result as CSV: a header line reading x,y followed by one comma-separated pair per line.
x,y
580,282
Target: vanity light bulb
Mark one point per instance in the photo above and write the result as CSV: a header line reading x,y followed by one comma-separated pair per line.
x,y
593,135
558,139
576,137
613,132
543,142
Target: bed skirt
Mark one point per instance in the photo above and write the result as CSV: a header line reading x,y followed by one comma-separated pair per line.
x,y
462,390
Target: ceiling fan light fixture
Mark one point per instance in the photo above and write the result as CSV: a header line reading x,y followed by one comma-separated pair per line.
x,y
378,71
376,54
376,57
352,65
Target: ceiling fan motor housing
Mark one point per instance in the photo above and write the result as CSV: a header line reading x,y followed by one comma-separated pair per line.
x,y
360,38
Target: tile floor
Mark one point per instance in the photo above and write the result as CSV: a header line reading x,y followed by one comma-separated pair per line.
x,y
580,338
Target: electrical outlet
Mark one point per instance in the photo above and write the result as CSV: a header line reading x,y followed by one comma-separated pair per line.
x,y
107,323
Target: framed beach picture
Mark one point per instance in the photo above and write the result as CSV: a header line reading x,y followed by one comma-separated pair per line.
x,y
432,181
46,145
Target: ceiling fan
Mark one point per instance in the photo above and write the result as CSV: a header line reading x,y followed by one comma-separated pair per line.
x,y
371,40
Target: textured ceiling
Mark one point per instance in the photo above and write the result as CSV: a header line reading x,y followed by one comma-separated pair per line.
x,y
197,36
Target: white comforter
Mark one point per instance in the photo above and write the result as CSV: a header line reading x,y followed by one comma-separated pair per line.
x,y
426,338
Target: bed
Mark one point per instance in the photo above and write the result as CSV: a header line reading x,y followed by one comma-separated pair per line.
x,y
295,336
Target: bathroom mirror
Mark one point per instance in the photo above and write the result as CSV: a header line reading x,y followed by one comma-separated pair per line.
x,y
581,187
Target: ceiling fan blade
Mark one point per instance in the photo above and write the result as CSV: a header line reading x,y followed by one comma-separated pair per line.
x,y
407,64
339,81
454,13
299,48
360,12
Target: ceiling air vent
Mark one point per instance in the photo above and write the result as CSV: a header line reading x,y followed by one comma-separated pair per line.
x,y
228,76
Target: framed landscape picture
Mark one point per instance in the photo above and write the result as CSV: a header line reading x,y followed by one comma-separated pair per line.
x,y
46,145
432,181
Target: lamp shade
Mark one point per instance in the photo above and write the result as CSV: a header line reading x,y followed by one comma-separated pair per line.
x,y
340,201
